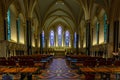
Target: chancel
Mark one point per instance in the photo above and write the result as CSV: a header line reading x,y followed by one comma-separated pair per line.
x,y
59,39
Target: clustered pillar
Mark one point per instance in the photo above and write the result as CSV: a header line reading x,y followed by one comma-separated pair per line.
x,y
5,30
77,43
115,34
88,39
28,30
17,26
41,44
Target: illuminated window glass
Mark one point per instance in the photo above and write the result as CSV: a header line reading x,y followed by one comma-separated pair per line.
x,y
8,25
67,38
75,39
105,28
59,36
51,38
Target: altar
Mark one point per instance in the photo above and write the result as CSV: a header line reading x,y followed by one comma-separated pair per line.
x,y
59,52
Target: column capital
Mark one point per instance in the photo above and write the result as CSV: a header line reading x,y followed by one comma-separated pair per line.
x,y
108,22
40,32
28,18
36,36
88,21
116,20
17,19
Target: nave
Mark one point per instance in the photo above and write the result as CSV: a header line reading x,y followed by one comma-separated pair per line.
x,y
85,31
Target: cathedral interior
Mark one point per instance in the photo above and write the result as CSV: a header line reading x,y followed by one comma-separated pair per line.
x,y
57,39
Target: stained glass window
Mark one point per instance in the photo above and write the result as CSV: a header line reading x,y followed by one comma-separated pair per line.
x,y
75,39
43,39
97,32
105,28
8,25
59,36
67,38
51,38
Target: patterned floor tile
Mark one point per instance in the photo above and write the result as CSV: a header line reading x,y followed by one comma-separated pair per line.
x,y
58,70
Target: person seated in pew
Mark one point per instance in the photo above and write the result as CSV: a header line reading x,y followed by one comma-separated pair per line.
x,y
25,76
7,77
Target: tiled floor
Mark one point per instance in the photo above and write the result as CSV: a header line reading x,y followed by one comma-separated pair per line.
x,y
58,70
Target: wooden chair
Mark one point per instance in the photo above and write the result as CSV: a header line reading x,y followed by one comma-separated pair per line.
x,y
117,63
90,76
90,63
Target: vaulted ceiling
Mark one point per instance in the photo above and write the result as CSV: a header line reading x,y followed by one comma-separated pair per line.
x,y
68,12
50,12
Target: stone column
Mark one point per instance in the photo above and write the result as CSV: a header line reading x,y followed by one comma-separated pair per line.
x,y
108,32
46,43
98,36
56,37
63,40
115,34
5,29
28,37
41,44
88,40
36,44
77,43
71,41
4,43
17,26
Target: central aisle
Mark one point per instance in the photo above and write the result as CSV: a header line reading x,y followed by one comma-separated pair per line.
x,y
58,70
